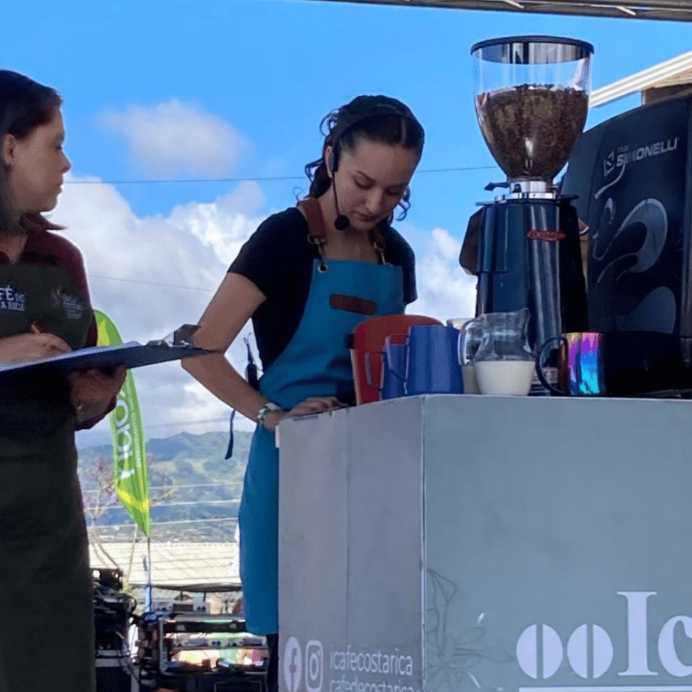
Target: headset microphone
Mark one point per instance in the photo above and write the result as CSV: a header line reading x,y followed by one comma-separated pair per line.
x,y
342,222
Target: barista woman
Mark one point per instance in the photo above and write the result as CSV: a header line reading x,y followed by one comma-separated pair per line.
x,y
307,277
46,619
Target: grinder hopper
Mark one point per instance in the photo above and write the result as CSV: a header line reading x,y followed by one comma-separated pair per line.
x,y
531,96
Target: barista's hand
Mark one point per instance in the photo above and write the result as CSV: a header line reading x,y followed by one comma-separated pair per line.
x,y
92,391
312,405
14,349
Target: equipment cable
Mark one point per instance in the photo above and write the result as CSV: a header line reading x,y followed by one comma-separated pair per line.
x,y
457,169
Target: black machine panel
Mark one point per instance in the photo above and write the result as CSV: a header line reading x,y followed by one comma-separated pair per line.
x,y
632,178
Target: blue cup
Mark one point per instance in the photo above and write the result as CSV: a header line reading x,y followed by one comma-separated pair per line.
x,y
432,361
393,361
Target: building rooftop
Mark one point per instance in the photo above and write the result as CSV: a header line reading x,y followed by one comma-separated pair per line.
x,y
173,565
669,10
674,72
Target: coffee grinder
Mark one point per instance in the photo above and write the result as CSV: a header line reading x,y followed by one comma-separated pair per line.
x,y
532,96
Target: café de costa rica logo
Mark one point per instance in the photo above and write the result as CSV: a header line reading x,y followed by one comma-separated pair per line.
x,y
589,650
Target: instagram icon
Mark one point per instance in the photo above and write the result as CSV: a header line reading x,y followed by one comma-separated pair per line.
x,y
314,660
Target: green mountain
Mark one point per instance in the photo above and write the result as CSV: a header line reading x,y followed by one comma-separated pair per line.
x,y
194,491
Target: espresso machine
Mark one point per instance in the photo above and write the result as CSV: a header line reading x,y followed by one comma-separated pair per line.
x,y
632,179
531,97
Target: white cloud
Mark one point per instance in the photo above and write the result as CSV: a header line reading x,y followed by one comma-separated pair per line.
x,y
225,224
176,137
152,274
444,289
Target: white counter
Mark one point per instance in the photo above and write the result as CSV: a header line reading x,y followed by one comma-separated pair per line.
x,y
452,543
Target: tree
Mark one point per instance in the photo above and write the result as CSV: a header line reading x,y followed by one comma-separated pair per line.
x,y
98,483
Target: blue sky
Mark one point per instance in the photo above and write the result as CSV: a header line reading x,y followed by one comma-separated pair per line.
x,y
273,68
265,72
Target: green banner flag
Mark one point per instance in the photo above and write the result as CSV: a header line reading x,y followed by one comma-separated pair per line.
x,y
129,453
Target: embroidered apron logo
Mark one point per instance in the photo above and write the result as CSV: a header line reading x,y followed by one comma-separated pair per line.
x,y
72,306
11,299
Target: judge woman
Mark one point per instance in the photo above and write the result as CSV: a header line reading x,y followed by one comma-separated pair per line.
x,y
46,619
306,278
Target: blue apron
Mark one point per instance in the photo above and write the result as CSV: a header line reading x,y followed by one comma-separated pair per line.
x,y
315,363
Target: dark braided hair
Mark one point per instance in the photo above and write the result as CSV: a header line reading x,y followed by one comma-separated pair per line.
x,y
380,119
24,106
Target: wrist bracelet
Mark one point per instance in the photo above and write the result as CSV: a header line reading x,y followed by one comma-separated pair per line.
x,y
265,411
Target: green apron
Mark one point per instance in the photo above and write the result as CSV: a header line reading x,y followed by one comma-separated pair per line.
x,y
46,620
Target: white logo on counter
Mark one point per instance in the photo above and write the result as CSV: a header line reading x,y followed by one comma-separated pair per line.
x,y
12,299
370,670
293,664
544,640
589,650
346,669
579,652
314,665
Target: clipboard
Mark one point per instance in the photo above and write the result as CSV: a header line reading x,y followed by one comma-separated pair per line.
x,y
131,354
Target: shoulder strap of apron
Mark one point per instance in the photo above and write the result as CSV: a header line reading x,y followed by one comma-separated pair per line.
x,y
318,236
316,233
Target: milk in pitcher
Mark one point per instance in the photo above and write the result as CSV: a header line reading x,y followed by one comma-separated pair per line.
x,y
504,377
468,374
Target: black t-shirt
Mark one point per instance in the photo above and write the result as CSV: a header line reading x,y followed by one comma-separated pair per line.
x,y
278,259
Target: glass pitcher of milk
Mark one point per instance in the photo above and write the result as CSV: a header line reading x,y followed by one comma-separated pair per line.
x,y
503,361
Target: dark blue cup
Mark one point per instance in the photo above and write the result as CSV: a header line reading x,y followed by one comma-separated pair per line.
x,y
394,367
393,362
432,362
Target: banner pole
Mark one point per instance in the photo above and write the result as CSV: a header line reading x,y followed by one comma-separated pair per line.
x,y
149,586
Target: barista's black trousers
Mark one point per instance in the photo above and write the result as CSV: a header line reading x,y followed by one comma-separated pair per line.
x,y
273,663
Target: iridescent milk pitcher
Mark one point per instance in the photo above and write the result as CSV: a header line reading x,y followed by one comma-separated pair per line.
x,y
580,364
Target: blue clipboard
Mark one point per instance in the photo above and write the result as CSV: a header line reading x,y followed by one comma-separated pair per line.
x,y
131,355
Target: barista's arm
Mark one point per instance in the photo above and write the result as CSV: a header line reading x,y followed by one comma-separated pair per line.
x,y
235,302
